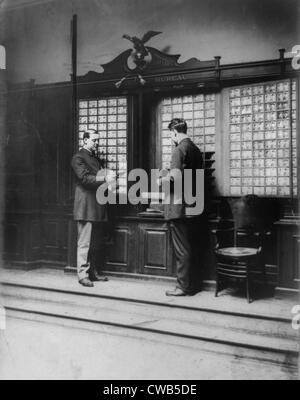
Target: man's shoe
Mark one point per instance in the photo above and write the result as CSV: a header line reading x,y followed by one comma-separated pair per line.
x,y
96,277
176,292
86,282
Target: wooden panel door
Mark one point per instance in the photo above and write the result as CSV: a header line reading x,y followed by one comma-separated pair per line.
x,y
288,254
156,256
122,249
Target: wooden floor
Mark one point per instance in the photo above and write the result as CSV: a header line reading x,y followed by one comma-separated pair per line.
x,y
225,329
269,304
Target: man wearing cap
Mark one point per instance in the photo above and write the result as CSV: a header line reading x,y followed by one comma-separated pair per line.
x,y
90,216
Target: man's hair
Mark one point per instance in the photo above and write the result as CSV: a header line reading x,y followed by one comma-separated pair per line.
x,y
179,124
87,134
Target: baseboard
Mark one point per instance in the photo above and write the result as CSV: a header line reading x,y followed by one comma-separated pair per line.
x,y
31,265
72,270
22,265
281,290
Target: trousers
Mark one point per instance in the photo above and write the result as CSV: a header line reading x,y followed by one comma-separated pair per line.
x,y
185,237
90,248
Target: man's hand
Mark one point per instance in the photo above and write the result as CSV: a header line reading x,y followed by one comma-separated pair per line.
x,y
106,175
100,177
110,177
164,175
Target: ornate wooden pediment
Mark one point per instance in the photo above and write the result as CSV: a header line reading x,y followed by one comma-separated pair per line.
x,y
151,69
159,62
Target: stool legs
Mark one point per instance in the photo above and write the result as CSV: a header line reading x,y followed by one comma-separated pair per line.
x,y
217,285
248,289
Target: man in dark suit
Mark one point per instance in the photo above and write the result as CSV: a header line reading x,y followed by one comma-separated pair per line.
x,y
90,216
183,223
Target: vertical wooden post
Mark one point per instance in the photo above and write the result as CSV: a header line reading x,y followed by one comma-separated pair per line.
x,y
281,59
71,261
74,81
217,68
3,137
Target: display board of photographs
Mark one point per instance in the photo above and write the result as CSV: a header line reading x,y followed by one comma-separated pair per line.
x,y
262,137
109,117
199,111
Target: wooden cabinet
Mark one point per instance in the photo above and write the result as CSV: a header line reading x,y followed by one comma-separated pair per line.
x,y
288,247
142,246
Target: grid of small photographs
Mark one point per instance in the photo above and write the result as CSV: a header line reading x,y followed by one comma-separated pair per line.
x,y
199,111
109,117
262,129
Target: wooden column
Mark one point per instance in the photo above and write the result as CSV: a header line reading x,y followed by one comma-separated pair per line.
x,y
3,112
72,231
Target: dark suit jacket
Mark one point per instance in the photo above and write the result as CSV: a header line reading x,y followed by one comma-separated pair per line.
x,y
185,156
86,208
